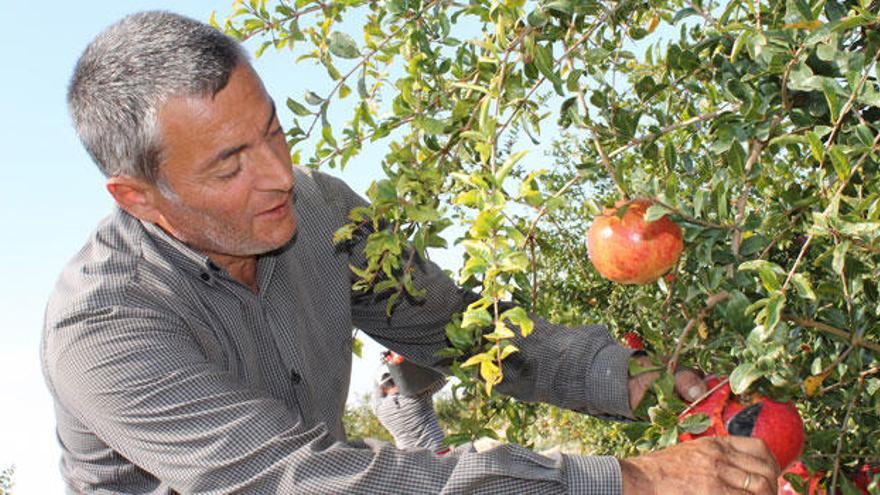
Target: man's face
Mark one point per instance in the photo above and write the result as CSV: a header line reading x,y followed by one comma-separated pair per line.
x,y
227,165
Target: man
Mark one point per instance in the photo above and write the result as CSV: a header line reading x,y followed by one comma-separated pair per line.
x,y
409,414
201,340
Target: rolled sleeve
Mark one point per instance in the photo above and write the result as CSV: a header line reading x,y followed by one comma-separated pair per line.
x,y
595,475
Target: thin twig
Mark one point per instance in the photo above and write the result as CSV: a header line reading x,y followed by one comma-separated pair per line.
x,y
673,127
843,429
808,323
710,304
363,61
700,399
609,167
874,147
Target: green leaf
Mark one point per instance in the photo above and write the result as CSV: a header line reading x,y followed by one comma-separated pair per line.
x,y
392,300
313,98
805,289
476,317
682,14
816,147
421,213
839,259
298,108
774,313
342,45
840,162
829,89
743,376
655,212
768,272
430,125
508,164
739,43
357,347
695,423
344,233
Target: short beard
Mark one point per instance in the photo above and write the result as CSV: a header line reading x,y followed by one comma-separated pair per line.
x,y
214,236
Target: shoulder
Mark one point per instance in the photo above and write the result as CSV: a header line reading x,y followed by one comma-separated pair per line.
x,y
326,190
116,267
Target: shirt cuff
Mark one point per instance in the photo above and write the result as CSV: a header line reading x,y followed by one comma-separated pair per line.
x,y
608,382
593,475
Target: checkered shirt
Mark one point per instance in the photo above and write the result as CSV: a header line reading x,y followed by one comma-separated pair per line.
x,y
168,376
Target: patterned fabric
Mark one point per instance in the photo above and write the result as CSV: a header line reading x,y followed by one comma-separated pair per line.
x,y
411,420
169,376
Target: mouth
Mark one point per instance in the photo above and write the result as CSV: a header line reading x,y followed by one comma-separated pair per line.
x,y
277,210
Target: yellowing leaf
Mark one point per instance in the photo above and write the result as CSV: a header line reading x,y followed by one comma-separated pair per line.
x,y
652,24
812,384
501,332
491,373
508,350
703,330
808,25
475,359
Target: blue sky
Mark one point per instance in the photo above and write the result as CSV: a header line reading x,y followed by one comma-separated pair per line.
x,y
52,196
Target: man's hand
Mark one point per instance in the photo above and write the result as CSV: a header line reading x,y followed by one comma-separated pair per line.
x,y
688,383
717,465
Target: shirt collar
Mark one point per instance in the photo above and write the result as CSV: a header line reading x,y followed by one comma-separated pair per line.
x,y
200,265
182,255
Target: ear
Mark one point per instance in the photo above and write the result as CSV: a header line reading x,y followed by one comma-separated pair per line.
x,y
135,196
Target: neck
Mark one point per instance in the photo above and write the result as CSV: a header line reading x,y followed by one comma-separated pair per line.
x,y
243,269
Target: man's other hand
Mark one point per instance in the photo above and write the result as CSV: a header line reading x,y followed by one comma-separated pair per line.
x,y
688,383
716,465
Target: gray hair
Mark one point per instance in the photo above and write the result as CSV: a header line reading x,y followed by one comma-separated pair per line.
x,y
129,71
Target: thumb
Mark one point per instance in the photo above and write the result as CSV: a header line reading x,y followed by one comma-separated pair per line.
x,y
689,385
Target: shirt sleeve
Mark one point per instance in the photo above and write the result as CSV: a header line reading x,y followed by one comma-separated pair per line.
x,y
139,380
581,368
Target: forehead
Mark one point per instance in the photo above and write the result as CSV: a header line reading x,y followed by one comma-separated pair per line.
x,y
196,128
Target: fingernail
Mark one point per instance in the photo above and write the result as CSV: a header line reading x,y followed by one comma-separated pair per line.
x,y
694,391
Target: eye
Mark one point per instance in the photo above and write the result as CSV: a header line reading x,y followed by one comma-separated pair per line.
x,y
231,174
278,132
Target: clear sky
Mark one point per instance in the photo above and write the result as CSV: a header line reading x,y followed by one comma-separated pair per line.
x,y
52,196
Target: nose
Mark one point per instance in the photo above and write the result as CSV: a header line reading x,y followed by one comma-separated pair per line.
x,y
275,170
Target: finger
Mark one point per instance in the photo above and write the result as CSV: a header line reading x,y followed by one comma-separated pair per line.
x,y
763,474
754,447
689,385
741,481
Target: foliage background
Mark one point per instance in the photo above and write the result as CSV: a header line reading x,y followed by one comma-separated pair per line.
x,y
753,124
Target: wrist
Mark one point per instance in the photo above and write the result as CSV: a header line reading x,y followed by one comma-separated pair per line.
x,y
633,478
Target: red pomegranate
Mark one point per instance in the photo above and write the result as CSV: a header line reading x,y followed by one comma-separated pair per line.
x,y
629,250
778,424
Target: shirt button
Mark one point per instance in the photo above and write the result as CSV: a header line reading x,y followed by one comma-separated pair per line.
x,y
205,277
295,377
213,266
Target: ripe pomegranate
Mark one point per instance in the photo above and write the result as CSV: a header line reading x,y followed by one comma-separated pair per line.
x,y
629,250
778,424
